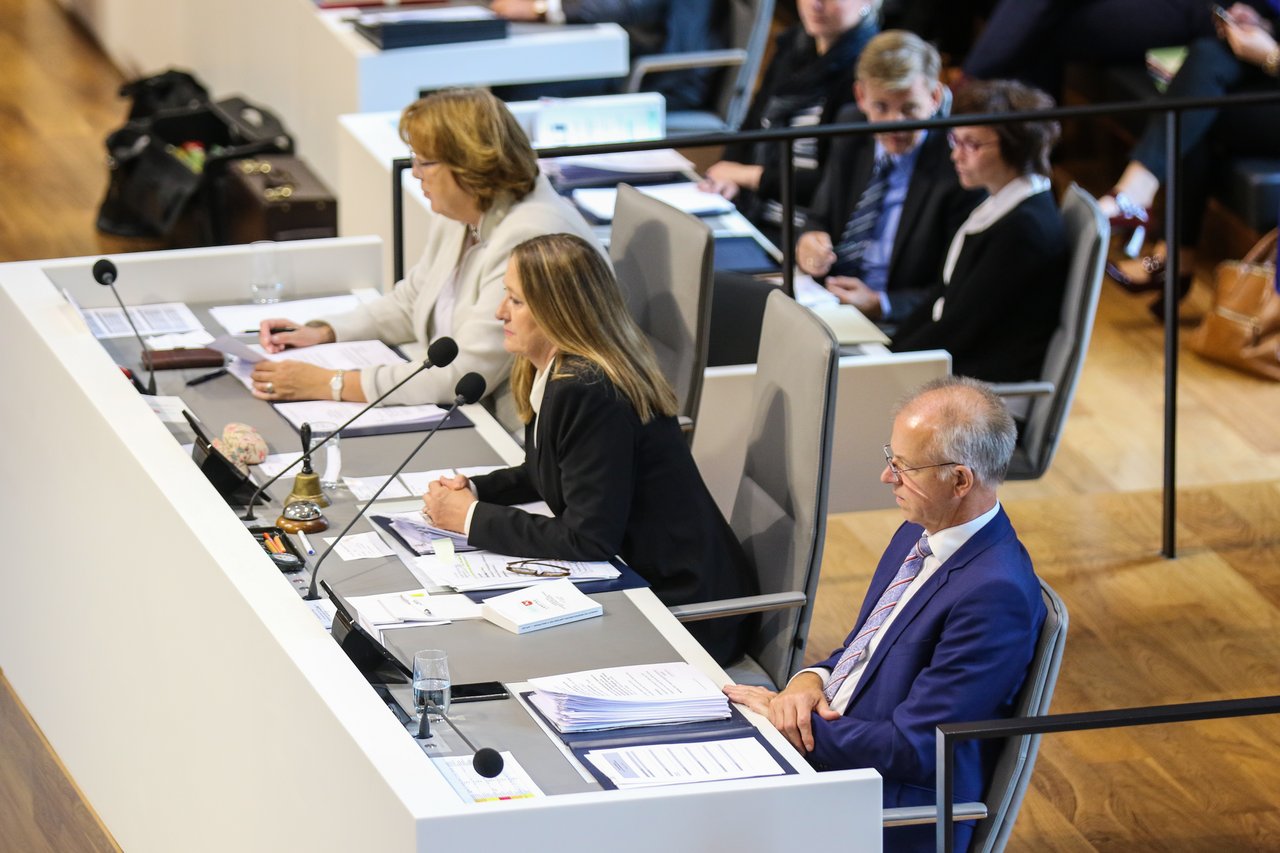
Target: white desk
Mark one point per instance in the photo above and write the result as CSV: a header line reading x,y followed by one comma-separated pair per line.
x,y
310,67
194,699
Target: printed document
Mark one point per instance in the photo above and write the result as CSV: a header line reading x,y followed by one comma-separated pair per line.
x,y
619,697
162,318
513,783
680,763
479,570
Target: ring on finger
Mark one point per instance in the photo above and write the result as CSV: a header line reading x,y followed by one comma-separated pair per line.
x,y
271,388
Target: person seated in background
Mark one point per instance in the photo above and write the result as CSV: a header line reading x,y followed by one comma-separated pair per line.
x,y
1033,40
1243,57
602,446
481,177
949,624
653,27
889,203
808,81
1000,296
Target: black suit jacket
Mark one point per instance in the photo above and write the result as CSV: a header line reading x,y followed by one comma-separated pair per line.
x,y
935,207
1004,300
617,487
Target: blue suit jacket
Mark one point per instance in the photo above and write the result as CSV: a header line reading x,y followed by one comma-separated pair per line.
x,y
959,650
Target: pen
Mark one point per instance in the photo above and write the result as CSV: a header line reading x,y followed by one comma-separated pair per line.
x,y
274,330
221,371
306,543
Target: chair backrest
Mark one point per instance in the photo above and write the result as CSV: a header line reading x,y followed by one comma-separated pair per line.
x,y
664,260
748,31
1018,757
749,24
1087,234
780,510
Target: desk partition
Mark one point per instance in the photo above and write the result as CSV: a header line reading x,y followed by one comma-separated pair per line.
x,y
194,699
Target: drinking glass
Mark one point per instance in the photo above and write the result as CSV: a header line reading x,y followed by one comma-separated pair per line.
x,y
431,683
330,467
266,283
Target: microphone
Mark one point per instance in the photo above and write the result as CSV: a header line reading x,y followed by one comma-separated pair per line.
x,y
487,761
104,272
469,389
440,353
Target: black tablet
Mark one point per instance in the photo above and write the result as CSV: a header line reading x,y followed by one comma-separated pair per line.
x,y
743,253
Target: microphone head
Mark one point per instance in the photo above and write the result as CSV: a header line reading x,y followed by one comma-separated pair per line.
x,y
470,388
487,762
104,272
442,352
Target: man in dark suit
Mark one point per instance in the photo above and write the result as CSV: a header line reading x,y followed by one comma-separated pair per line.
x,y
888,204
949,623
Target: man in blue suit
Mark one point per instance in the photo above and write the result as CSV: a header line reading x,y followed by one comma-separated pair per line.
x,y
949,623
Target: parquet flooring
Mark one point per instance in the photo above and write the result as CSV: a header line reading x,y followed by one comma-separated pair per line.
x,y
1144,630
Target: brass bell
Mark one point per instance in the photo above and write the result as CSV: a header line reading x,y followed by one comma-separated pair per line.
x,y
306,486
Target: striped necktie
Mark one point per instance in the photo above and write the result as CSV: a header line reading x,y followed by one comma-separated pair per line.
x,y
888,600
861,227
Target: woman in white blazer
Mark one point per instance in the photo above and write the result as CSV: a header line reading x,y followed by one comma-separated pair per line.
x,y
481,177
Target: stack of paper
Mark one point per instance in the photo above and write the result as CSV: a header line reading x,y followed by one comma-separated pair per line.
x,y
620,697
556,603
599,202
480,570
376,613
419,536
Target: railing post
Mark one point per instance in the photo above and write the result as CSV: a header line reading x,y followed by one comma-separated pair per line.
x,y
1172,271
944,832
786,187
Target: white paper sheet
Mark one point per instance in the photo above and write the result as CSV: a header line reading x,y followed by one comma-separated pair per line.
x,y
245,319
600,201
363,488
361,546
513,783
681,763
160,318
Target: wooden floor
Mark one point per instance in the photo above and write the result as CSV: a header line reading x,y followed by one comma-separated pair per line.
x,y
1144,630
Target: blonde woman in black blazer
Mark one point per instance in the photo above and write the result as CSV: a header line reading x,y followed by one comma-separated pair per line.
x,y
602,446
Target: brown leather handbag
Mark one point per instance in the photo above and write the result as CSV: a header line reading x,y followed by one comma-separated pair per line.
x,y
1243,328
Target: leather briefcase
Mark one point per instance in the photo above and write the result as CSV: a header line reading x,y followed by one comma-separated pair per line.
x,y
276,197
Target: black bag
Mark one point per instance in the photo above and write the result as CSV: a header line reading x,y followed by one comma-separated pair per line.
x,y
165,161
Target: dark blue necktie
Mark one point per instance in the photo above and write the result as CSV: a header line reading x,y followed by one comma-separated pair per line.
x,y
861,227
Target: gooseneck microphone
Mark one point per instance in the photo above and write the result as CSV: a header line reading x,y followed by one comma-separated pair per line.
x,y
440,353
486,761
104,272
469,389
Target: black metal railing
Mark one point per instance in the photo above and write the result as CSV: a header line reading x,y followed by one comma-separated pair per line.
x,y
951,734
1173,108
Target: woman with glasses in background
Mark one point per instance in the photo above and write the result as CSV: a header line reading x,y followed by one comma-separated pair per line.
x,y
1002,285
480,174
602,447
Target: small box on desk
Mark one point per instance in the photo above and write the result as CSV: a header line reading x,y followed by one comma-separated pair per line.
x,y
278,535
419,27
276,197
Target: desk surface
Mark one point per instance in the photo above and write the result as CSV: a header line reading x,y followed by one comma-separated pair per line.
x,y
200,660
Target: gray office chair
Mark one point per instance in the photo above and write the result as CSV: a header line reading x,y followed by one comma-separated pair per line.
x,y
664,259
1018,757
780,512
1042,406
749,22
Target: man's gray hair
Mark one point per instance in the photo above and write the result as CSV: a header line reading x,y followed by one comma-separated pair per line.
x,y
974,426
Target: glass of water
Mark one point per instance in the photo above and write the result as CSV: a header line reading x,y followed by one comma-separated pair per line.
x,y
431,683
266,282
330,464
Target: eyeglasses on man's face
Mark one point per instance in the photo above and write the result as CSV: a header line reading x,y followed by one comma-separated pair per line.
x,y
968,146
897,470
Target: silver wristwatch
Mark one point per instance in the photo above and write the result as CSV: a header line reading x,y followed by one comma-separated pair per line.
x,y
335,385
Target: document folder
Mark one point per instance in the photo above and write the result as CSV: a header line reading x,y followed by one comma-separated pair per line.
x,y
448,25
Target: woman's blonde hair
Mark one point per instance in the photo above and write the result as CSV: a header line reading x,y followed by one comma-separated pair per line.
x,y
473,135
575,301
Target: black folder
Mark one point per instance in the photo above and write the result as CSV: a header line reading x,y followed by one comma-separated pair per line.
x,y
390,30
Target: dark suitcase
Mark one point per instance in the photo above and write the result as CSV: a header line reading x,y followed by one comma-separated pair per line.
x,y
275,197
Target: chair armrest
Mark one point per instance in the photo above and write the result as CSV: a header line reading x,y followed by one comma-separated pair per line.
x,y
737,606
918,815
686,424
646,65
1023,389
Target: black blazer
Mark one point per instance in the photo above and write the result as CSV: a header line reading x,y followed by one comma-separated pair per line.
x,y
1004,300
935,207
617,487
